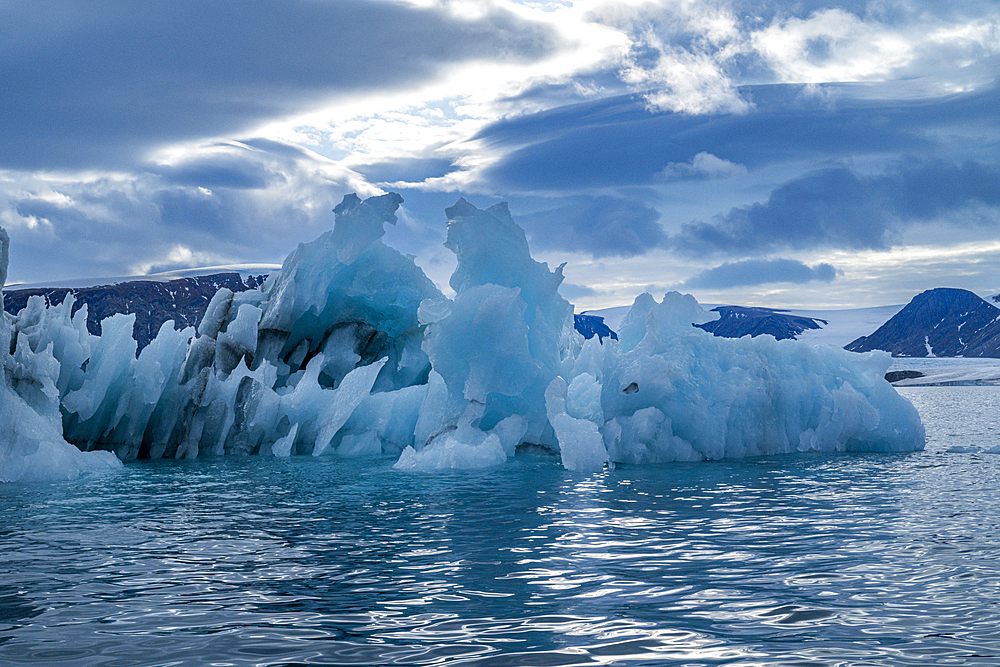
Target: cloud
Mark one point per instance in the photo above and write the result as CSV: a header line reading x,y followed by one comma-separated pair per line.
x,y
572,292
833,207
135,118
760,272
921,190
617,142
682,54
187,209
90,84
234,202
692,57
219,171
600,82
702,166
841,209
178,257
406,169
946,49
601,226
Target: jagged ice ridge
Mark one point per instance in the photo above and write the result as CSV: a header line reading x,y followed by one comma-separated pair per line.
x,y
350,350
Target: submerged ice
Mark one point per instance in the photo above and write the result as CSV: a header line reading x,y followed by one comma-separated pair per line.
x,y
350,350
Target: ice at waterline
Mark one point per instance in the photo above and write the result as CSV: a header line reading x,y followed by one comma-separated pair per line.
x,y
351,350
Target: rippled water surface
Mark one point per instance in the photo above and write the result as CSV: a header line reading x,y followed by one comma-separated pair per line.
x,y
805,560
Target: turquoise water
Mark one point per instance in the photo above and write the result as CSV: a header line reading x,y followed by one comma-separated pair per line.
x,y
801,560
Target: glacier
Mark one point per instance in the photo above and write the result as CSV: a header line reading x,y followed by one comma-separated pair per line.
x,y
350,350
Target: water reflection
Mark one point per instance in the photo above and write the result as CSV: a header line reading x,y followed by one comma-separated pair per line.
x,y
15,609
798,560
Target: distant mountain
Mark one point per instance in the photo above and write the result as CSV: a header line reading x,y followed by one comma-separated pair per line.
x,y
739,321
593,325
183,300
941,322
953,322
832,327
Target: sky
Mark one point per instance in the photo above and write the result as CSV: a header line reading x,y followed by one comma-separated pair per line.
x,y
768,152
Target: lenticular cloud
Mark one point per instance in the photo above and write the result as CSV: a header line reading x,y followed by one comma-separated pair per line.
x,y
350,350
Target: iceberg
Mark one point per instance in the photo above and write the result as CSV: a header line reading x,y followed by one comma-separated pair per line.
x,y
671,391
32,447
351,351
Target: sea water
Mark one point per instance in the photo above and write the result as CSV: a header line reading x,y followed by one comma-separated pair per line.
x,y
795,560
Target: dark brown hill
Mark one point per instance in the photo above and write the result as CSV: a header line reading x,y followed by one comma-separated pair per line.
x,y
183,300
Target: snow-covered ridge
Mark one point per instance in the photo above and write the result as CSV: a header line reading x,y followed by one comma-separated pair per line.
x,y
244,270
839,327
845,325
943,371
836,326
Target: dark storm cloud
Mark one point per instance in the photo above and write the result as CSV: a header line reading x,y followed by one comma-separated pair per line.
x,y
96,83
840,208
600,226
617,141
760,272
